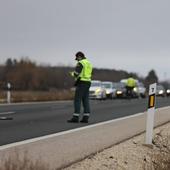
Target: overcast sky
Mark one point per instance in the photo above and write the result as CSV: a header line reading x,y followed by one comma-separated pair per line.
x,y
133,35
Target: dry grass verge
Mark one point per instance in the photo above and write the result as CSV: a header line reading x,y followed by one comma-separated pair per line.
x,y
15,162
161,159
32,96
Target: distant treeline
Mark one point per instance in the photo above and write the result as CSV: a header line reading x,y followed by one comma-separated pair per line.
x,y
27,75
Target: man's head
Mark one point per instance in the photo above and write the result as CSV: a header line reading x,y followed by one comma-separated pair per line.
x,y
131,75
79,56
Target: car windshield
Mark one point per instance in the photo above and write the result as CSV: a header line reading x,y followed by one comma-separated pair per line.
x,y
107,85
120,85
140,84
95,84
160,87
114,85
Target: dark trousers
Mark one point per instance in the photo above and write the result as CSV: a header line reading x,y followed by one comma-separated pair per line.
x,y
129,91
82,95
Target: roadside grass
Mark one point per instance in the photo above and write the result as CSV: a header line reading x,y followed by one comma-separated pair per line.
x,y
161,159
15,162
33,96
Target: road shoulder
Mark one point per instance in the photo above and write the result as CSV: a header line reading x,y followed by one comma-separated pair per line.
x,y
132,154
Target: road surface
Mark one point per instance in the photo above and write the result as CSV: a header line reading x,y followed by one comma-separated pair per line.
x,y
39,119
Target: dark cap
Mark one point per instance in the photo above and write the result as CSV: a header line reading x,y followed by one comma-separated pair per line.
x,y
79,54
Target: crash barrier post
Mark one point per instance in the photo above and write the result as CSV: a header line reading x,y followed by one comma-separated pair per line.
x,y
150,114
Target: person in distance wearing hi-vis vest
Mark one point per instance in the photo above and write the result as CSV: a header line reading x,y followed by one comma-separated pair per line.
x,y
82,75
130,85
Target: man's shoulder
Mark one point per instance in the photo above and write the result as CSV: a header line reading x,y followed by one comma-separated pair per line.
x,y
79,64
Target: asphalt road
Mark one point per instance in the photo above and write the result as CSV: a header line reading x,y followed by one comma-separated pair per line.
x,y
35,120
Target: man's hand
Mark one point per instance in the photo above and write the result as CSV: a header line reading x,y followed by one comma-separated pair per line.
x,y
71,73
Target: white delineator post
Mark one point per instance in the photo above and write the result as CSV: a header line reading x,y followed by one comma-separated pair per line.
x,y
8,93
150,114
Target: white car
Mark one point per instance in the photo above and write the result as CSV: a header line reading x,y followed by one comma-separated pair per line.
x,y
141,89
168,92
160,91
97,91
110,89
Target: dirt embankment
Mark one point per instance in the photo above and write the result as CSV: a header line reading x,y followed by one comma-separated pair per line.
x,y
132,154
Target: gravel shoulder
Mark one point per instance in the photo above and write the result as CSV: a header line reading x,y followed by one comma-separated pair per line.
x,y
132,154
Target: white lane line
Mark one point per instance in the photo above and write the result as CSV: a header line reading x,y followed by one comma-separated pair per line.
x,y
6,118
6,113
3,147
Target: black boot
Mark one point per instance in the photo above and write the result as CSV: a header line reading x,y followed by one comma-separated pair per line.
x,y
74,119
85,119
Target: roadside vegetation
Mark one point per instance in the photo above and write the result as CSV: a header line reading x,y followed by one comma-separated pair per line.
x,y
161,159
158,158
33,96
32,82
25,74
17,163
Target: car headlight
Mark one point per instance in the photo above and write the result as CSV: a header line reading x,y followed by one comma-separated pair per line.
x,y
119,92
135,89
98,91
161,92
108,92
168,91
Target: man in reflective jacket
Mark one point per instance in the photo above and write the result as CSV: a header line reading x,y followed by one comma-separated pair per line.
x,y
82,75
130,85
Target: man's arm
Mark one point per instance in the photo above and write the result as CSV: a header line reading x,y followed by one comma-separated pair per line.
x,y
78,70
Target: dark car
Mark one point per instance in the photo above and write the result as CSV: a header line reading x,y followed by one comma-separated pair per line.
x,y
120,89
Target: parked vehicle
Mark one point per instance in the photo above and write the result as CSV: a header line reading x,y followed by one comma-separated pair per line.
x,y
168,92
97,91
135,92
120,89
160,91
110,89
141,89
